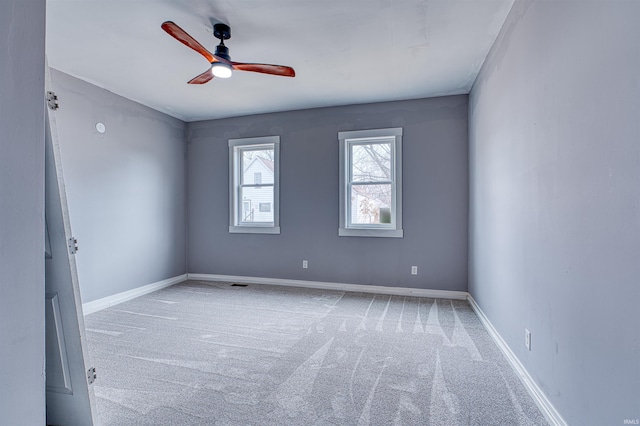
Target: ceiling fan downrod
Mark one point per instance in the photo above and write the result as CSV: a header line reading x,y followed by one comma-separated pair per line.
x,y
222,32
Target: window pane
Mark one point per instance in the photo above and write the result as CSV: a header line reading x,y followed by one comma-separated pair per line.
x,y
254,185
265,207
371,204
253,201
371,162
257,166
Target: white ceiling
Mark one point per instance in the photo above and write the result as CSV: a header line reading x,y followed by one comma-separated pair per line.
x,y
344,51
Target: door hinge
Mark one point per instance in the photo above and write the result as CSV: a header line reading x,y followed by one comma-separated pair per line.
x,y
73,245
52,100
91,375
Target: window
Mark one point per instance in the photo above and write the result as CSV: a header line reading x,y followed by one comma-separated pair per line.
x,y
371,183
254,185
265,207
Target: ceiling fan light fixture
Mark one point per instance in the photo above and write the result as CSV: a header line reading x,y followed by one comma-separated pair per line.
x,y
221,70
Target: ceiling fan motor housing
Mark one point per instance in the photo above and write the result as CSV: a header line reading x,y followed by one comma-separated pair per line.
x,y
223,51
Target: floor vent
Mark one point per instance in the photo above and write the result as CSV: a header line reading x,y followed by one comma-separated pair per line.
x,y
239,285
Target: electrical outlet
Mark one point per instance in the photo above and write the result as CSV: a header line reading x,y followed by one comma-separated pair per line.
x,y
414,270
305,264
527,338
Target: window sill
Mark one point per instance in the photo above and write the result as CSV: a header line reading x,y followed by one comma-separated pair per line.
x,y
383,233
254,229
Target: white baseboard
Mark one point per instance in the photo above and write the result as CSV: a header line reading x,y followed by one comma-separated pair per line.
x,y
546,407
397,291
105,302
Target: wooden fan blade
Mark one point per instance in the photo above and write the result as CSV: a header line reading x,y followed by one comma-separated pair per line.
x,y
202,78
265,69
181,35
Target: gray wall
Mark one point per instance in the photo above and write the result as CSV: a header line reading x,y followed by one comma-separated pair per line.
x,y
22,35
555,200
435,207
126,188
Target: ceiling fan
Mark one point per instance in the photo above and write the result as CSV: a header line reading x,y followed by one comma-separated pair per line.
x,y
221,64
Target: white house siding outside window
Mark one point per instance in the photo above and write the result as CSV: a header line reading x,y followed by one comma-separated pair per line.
x,y
371,183
254,185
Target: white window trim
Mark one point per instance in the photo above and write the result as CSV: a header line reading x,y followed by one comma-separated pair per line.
x,y
234,178
346,230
